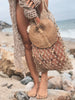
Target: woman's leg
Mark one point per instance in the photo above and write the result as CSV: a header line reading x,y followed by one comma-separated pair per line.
x,y
22,23
42,92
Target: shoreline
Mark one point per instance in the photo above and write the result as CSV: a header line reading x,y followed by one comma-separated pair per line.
x,y
64,38
69,39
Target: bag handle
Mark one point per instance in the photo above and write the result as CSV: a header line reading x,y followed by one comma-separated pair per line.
x,y
44,5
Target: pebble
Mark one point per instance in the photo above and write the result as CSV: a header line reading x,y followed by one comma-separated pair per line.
x,y
29,86
9,86
67,82
26,80
16,77
21,96
55,82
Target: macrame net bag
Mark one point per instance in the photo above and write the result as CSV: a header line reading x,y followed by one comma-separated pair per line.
x,y
54,57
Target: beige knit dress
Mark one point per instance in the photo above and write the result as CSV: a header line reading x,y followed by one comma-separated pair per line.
x,y
54,58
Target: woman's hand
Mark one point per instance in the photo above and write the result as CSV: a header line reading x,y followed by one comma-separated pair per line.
x,y
30,3
33,3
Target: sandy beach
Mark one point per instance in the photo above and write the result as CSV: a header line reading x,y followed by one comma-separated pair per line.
x,y
6,40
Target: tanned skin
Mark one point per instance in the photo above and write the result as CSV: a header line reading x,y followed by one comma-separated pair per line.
x,y
40,88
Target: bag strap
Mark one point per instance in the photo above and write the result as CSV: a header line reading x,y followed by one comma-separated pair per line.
x,y
44,5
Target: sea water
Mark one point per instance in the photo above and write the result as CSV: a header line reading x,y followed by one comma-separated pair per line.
x,y
66,28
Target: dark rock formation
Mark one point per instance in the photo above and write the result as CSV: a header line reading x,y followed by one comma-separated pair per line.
x,y
4,25
72,51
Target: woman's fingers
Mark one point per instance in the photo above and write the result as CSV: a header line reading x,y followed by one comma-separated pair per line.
x,y
33,6
30,3
27,2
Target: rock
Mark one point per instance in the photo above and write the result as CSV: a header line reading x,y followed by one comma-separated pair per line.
x,y
4,25
21,96
67,82
26,80
6,85
16,77
5,66
73,82
3,75
56,95
72,51
7,63
7,54
54,83
29,86
15,71
73,75
8,68
9,86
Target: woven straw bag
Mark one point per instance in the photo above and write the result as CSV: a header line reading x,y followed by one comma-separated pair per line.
x,y
44,34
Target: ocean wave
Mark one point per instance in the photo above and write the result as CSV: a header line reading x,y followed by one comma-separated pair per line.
x,y
70,33
7,30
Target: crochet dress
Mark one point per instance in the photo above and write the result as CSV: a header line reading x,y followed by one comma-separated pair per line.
x,y
52,58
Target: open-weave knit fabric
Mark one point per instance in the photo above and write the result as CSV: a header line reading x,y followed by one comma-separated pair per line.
x,y
52,58
58,49
29,12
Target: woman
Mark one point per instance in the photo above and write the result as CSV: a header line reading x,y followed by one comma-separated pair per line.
x,y
52,56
